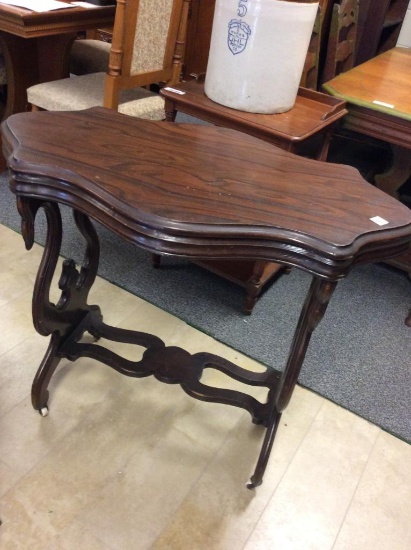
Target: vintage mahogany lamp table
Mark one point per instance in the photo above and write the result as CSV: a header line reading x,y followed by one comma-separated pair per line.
x,y
192,191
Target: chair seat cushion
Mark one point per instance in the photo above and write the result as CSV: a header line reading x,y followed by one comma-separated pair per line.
x,y
83,92
150,107
89,56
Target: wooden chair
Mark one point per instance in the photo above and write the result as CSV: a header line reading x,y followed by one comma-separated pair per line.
x,y
309,77
342,39
147,48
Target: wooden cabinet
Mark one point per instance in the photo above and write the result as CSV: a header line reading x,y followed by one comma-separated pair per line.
x,y
379,26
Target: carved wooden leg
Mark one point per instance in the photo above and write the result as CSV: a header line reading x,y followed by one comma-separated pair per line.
x,y
62,319
408,319
39,392
312,312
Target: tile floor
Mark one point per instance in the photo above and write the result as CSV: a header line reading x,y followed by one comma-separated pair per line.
x,y
127,464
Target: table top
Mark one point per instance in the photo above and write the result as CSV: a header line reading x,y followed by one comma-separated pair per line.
x,y
202,191
312,111
30,24
381,84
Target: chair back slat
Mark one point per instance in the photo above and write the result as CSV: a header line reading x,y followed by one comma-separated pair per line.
x,y
342,39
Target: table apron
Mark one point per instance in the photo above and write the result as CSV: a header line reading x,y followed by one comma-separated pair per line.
x,y
379,125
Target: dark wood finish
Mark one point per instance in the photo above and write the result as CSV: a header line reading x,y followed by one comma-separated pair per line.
x,y
379,27
228,195
309,78
104,34
200,24
342,39
36,46
312,117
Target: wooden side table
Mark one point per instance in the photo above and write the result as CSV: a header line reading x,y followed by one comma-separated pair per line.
x,y
379,105
309,124
313,117
197,192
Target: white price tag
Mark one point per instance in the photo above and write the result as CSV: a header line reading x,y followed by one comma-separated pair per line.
x,y
378,220
174,90
383,104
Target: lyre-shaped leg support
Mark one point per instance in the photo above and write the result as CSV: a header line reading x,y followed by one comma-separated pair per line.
x,y
61,319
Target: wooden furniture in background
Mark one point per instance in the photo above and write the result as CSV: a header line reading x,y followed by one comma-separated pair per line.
x,y
227,195
312,118
311,68
379,26
199,27
3,86
379,105
133,65
200,24
341,39
105,34
36,47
